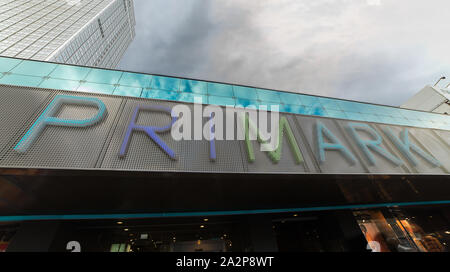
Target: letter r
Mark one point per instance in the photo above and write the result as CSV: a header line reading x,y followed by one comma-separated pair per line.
x,y
47,118
151,131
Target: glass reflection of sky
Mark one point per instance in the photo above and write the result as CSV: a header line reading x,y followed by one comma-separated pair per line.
x,y
59,84
7,64
34,68
245,92
221,100
104,76
96,88
85,79
220,89
69,72
165,83
135,80
20,80
193,86
128,91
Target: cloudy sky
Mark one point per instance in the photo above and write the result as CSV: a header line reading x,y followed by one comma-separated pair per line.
x,y
380,51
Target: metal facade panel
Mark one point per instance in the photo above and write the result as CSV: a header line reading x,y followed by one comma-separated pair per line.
x,y
429,142
98,146
334,162
422,166
381,165
287,163
144,154
18,105
66,147
444,136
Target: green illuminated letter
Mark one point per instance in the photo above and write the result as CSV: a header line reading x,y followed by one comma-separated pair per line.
x,y
275,156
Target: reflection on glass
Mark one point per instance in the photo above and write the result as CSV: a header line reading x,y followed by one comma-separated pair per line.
x,y
32,73
315,110
405,230
120,248
270,106
372,117
329,104
96,88
371,109
7,64
296,109
290,98
165,83
60,84
135,80
20,80
337,114
242,103
191,98
415,123
69,72
193,86
269,96
245,92
220,100
34,68
355,116
309,101
160,94
220,89
104,76
381,235
348,106
435,241
128,91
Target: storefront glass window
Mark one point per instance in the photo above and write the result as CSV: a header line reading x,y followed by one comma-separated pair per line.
x,y
403,230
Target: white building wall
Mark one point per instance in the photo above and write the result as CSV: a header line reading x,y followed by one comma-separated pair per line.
x,y
431,99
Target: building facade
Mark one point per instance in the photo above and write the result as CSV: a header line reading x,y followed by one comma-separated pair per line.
x,y
431,99
84,32
87,155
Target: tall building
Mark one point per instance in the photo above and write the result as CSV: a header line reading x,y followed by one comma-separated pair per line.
x,y
87,156
431,99
84,32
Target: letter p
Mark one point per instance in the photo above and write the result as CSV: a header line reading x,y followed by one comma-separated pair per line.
x,y
47,118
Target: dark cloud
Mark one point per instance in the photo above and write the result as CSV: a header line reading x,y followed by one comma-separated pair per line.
x,y
171,38
353,49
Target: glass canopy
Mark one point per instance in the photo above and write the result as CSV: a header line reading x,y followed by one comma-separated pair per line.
x,y
94,80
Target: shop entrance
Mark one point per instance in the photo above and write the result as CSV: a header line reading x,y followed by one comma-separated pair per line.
x,y
414,229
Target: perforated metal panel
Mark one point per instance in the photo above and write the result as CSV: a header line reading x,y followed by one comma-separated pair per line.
x,y
334,162
444,136
65,147
382,165
17,106
287,163
98,146
422,166
144,154
432,144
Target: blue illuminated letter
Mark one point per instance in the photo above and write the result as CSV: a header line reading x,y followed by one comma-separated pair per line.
x,y
405,146
150,131
47,118
372,144
335,144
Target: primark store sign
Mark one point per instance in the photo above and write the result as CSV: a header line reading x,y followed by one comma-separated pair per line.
x,y
54,129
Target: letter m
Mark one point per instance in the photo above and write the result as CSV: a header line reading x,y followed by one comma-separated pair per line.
x,y
274,155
